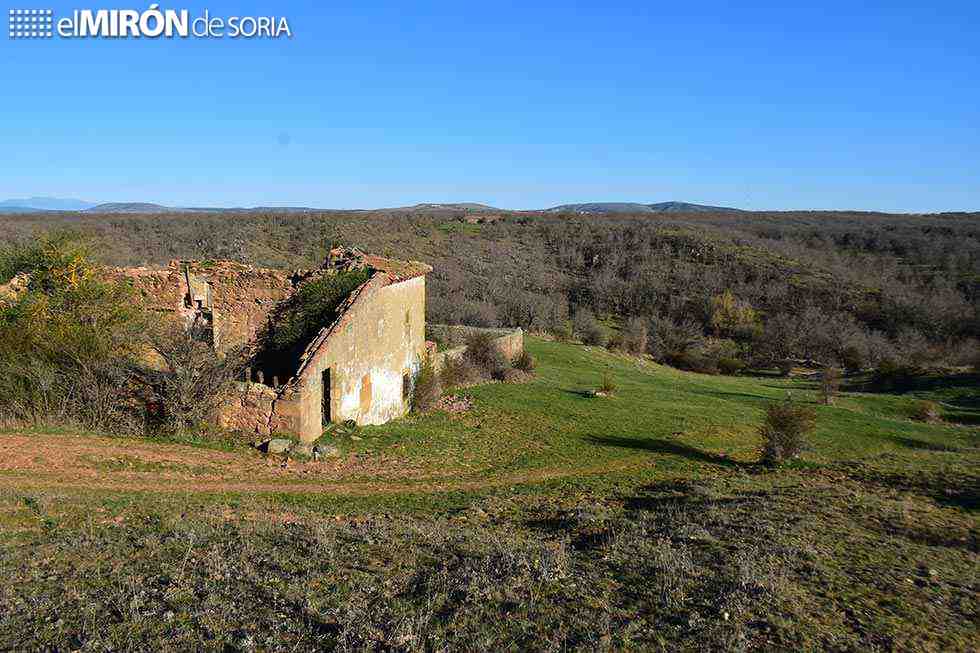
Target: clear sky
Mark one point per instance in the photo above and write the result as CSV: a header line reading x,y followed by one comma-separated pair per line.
x,y
858,105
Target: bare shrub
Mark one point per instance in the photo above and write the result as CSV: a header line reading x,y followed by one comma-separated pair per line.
x,y
196,378
484,354
786,431
926,411
730,366
608,385
691,361
427,389
634,336
672,337
514,375
525,362
892,375
589,330
829,385
458,372
562,331
853,358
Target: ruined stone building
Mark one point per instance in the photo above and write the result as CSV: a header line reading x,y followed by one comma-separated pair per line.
x,y
360,366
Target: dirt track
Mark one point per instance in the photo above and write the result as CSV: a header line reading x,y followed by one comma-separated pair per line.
x,y
38,461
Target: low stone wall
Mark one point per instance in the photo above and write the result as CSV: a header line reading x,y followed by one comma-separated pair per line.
x,y
255,408
452,340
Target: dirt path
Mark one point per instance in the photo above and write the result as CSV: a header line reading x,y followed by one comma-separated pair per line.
x,y
33,461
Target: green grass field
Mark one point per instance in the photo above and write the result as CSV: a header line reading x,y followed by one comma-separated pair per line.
x,y
541,519
660,423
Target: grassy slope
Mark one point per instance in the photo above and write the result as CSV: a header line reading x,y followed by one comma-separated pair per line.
x,y
637,521
661,421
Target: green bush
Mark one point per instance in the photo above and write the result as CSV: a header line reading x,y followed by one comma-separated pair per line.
x,y
298,320
71,345
786,431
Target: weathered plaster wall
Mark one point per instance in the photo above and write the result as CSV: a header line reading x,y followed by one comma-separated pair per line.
x,y
378,340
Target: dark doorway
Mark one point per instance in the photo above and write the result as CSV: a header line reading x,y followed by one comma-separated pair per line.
x,y
325,404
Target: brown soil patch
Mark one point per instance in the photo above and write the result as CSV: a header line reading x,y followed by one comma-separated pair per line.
x,y
38,461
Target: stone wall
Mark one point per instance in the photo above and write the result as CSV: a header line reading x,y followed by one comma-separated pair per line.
x,y
452,339
258,409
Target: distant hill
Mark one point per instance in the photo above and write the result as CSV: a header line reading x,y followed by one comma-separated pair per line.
x,y
19,209
457,206
635,207
45,204
35,204
130,207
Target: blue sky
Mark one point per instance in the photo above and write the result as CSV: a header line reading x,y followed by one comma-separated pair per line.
x,y
762,106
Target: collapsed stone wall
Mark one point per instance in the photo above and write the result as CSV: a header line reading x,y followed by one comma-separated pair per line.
x,y
231,300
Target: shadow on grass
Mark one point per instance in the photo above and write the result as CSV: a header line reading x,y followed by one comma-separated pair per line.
x,y
912,443
753,399
581,394
968,383
668,447
966,418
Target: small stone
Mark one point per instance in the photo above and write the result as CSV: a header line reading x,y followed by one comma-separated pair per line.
x,y
357,438
325,451
277,445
